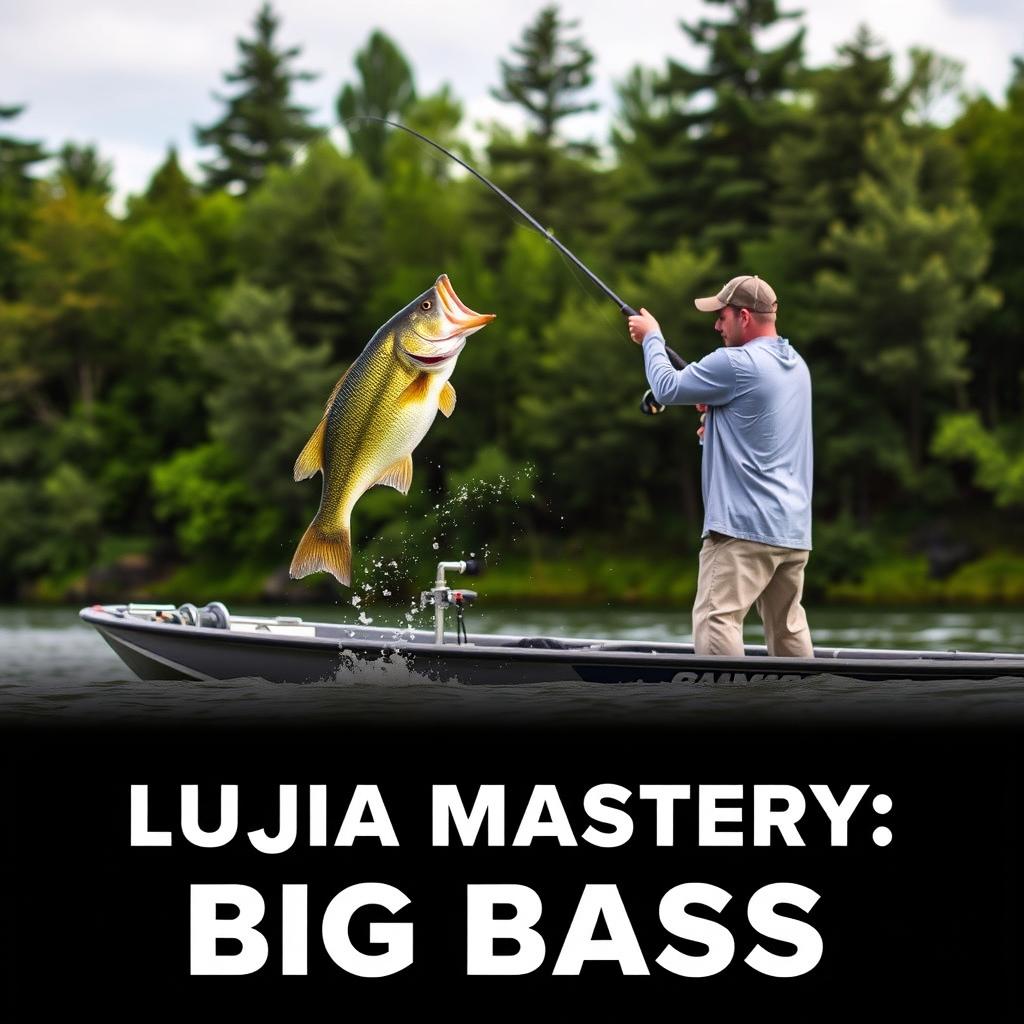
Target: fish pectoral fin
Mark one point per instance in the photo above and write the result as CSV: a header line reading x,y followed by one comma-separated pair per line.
x,y
311,458
416,391
397,475
446,403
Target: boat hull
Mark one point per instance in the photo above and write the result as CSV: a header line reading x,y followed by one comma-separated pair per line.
x,y
289,653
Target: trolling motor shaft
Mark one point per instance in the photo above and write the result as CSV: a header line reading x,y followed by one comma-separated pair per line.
x,y
441,596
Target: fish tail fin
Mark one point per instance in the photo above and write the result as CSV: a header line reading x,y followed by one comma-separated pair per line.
x,y
321,550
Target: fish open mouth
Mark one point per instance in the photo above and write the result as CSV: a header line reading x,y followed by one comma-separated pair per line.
x,y
464,318
430,360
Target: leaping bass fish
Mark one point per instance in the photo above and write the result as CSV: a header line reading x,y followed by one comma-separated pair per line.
x,y
377,413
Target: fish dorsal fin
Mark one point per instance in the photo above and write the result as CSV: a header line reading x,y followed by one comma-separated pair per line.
x,y
416,391
336,389
311,458
397,475
446,403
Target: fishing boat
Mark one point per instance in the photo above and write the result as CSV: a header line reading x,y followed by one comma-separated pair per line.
x,y
185,642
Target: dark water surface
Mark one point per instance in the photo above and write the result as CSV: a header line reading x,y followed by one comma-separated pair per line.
x,y
55,668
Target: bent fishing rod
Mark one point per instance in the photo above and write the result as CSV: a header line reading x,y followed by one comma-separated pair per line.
x,y
647,404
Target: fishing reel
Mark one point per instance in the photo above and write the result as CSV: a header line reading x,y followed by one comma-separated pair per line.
x,y
442,597
648,406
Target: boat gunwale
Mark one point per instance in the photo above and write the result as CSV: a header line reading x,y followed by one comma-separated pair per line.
x,y
826,660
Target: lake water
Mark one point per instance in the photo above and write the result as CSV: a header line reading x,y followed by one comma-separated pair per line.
x,y
54,668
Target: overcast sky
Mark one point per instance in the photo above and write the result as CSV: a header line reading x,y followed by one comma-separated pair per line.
x,y
134,76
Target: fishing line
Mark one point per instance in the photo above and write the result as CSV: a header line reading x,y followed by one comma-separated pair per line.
x,y
623,308
647,403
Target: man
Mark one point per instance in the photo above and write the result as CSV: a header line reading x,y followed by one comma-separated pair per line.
x,y
756,468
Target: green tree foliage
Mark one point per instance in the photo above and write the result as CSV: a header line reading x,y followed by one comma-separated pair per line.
x,y
991,138
820,166
425,227
907,288
703,147
170,189
997,455
261,127
607,466
65,324
160,370
175,262
313,228
82,167
16,192
385,89
545,172
59,346
232,497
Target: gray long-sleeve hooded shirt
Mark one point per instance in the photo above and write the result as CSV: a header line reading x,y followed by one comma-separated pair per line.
x,y
758,459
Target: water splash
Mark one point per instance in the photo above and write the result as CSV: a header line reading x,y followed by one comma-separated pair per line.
x,y
457,514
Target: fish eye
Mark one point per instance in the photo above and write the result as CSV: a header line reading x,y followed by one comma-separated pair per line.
x,y
425,304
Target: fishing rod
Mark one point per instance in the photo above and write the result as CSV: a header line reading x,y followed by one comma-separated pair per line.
x,y
647,404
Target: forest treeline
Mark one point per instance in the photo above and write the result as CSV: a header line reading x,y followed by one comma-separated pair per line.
x,y
161,365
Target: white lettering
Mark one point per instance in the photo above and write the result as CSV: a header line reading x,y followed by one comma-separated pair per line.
x,y
482,930
489,806
761,914
141,836
205,928
839,813
224,833
379,825
580,944
709,814
288,802
765,819
718,939
397,935
531,827
595,806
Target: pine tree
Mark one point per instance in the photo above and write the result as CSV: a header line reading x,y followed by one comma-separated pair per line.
x,y
819,170
81,167
16,185
385,90
261,127
170,191
545,172
908,284
991,137
703,147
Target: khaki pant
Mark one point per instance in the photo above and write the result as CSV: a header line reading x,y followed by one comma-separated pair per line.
x,y
735,574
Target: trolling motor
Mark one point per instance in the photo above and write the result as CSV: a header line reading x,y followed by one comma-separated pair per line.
x,y
441,596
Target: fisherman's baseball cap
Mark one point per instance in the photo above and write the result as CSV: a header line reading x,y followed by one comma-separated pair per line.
x,y
746,291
